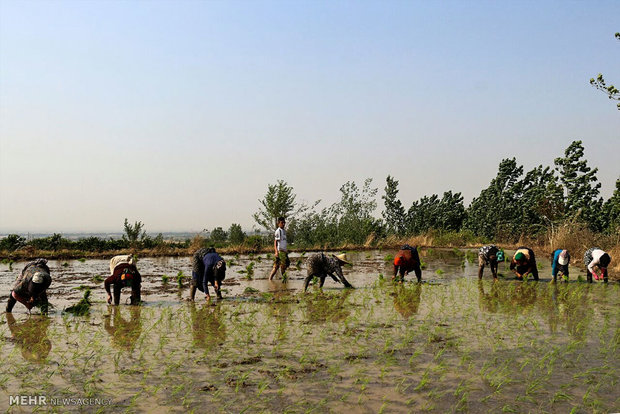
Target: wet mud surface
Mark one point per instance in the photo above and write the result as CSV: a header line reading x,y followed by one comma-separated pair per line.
x,y
451,343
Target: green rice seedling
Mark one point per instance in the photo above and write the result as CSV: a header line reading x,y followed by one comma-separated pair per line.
x,y
98,279
82,259
422,264
298,264
82,307
250,270
388,258
65,264
164,279
180,278
439,272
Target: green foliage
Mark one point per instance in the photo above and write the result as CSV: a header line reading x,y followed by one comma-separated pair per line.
x,y
599,83
581,186
235,234
134,234
432,212
249,270
180,278
611,211
12,242
279,201
164,279
218,235
513,205
350,220
82,307
394,214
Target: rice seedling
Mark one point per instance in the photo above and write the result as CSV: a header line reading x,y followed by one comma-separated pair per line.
x,y
180,278
165,279
82,307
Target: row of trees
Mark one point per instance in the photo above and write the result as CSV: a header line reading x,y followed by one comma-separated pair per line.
x,y
516,203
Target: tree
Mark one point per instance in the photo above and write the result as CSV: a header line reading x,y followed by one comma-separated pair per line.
x,y
218,235
134,234
12,242
278,202
492,213
433,213
235,234
611,210
599,83
581,187
394,213
354,212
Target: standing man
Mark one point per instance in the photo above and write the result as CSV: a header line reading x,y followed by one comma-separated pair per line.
x,y
30,287
523,263
281,260
596,257
124,274
487,255
559,264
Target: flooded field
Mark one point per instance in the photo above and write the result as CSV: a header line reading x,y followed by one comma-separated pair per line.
x,y
451,343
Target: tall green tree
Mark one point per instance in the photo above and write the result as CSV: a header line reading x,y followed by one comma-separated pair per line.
x,y
354,212
611,211
218,235
134,233
492,213
581,186
434,213
394,213
279,201
236,234
599,83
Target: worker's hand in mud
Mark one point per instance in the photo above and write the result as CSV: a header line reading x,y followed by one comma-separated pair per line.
x,y
109,299
207,298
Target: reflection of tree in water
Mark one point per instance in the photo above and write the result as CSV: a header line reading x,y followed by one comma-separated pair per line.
x,y
31,336
208,330
326,307
407,299
124,333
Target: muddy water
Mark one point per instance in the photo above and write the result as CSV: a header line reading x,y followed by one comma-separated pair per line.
x,y
450,344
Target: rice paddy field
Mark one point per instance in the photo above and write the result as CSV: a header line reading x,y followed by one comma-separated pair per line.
x,y
450,344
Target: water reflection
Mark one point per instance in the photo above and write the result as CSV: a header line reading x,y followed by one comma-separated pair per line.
x,y
322,307
280,309
509,298
563,305
124,332
407,299
208,330
31,336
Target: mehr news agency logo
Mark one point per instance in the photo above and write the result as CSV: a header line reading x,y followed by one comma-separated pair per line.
x,y
42,400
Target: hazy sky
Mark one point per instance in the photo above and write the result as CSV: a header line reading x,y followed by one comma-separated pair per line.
x,y
180,113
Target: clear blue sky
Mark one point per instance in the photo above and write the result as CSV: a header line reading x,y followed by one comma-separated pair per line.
x,y
180,113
